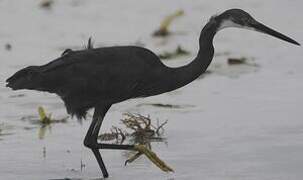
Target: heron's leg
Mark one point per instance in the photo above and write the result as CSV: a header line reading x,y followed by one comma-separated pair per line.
x,y
90,139
95,133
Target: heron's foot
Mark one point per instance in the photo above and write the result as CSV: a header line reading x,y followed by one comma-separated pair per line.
x,y
151,156
95,145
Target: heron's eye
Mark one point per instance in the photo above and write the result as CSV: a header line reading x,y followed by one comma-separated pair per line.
x,y
66,51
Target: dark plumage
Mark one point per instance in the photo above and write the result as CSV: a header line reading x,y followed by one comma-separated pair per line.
x,y
92,76
98,78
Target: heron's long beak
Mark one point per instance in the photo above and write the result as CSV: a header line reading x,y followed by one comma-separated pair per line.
x,y
264,29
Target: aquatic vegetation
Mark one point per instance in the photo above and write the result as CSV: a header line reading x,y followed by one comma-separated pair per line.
x,y
43,120
249,61
141,132
151,156
139,129
17,95
163,29
114,134
171,55
142,128
47,119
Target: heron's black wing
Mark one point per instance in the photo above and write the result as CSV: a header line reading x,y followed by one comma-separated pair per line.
x,y
104,75
117,54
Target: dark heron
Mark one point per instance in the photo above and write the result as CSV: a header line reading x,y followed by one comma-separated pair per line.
x,y
100,77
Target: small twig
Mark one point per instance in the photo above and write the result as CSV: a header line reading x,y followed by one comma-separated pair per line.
x,y
161,127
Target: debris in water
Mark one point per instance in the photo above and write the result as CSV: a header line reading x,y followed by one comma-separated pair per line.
x,y
151,156
163,105
8,47
142,130
142,133
234,67
44,152
17,95
163,29
173,106
46,4
236,61
170,55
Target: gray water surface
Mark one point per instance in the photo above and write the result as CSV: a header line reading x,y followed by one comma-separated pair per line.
x,y
237,123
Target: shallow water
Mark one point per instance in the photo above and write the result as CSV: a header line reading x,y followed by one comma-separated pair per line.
x,y
239,122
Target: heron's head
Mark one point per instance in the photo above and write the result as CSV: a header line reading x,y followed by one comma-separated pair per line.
x,y
241,19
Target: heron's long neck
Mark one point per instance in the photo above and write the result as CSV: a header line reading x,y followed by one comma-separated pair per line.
x,y
181,76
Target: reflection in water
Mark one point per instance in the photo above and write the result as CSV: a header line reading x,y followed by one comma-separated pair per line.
x,y
43,129
3,130
45,124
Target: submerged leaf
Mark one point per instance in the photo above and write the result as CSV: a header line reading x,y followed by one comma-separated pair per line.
x,y
163,30
151,156
43,118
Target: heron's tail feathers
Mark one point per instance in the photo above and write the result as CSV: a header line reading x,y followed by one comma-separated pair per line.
x,y
27,78
76,106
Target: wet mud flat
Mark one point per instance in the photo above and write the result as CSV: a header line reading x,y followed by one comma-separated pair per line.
x,y
241,120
